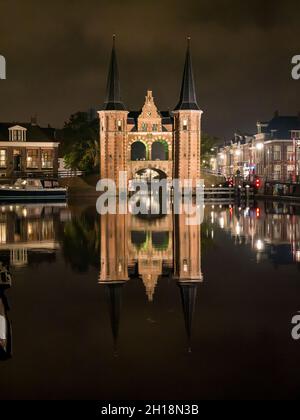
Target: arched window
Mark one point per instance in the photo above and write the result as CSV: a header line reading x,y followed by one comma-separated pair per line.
x,y
159,150
160,240
138,238
138,151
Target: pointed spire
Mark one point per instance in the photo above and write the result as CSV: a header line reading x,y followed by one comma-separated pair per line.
x,y
113,94
187,99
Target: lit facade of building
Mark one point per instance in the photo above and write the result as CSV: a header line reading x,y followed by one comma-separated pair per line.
x,y
273,153
150,143
27,148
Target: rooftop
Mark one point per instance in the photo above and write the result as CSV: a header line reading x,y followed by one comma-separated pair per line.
x,y
34,132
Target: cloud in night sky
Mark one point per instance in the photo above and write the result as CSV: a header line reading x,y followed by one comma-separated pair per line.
x,y
57,57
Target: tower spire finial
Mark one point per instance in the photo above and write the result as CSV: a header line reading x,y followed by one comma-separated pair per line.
x,y
187,99
113,99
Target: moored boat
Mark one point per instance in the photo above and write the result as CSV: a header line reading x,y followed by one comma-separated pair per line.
x,y
26,189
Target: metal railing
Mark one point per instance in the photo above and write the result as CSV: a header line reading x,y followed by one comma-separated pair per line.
x,y
66,173
227,193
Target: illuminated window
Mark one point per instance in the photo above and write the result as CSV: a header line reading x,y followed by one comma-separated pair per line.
x,y
2,158
2,233
277,152
290,170
32,158
47,159
18,135
277,172
185,125
119,125
290,152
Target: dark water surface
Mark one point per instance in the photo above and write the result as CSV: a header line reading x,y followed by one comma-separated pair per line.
x,y
126,308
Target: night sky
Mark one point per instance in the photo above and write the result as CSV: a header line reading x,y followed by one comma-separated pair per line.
x,y
57,56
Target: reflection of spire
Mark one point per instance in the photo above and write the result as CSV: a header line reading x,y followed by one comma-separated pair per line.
x,y
114,295
150,282
188,291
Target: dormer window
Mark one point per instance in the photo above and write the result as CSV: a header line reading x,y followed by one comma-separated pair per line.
x,y
185,125
295,134
17,133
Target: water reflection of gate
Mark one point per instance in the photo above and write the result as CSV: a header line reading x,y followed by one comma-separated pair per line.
x,y
150,246
149,249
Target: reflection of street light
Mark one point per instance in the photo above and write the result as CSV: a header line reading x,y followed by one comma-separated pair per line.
x,y
259,245
259,146
237,152
298,256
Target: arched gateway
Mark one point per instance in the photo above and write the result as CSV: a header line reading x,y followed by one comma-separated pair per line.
x,y
150,141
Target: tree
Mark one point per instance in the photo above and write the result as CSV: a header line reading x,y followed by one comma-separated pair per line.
x,y
80,243
208,148
80,145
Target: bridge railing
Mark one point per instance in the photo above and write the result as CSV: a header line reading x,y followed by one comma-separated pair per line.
x,y
225,193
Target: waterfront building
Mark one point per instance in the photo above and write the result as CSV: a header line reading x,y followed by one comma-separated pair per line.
x,y
273,153
150,144
27,148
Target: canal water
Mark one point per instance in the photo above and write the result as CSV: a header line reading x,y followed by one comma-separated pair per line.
x,y
128,307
